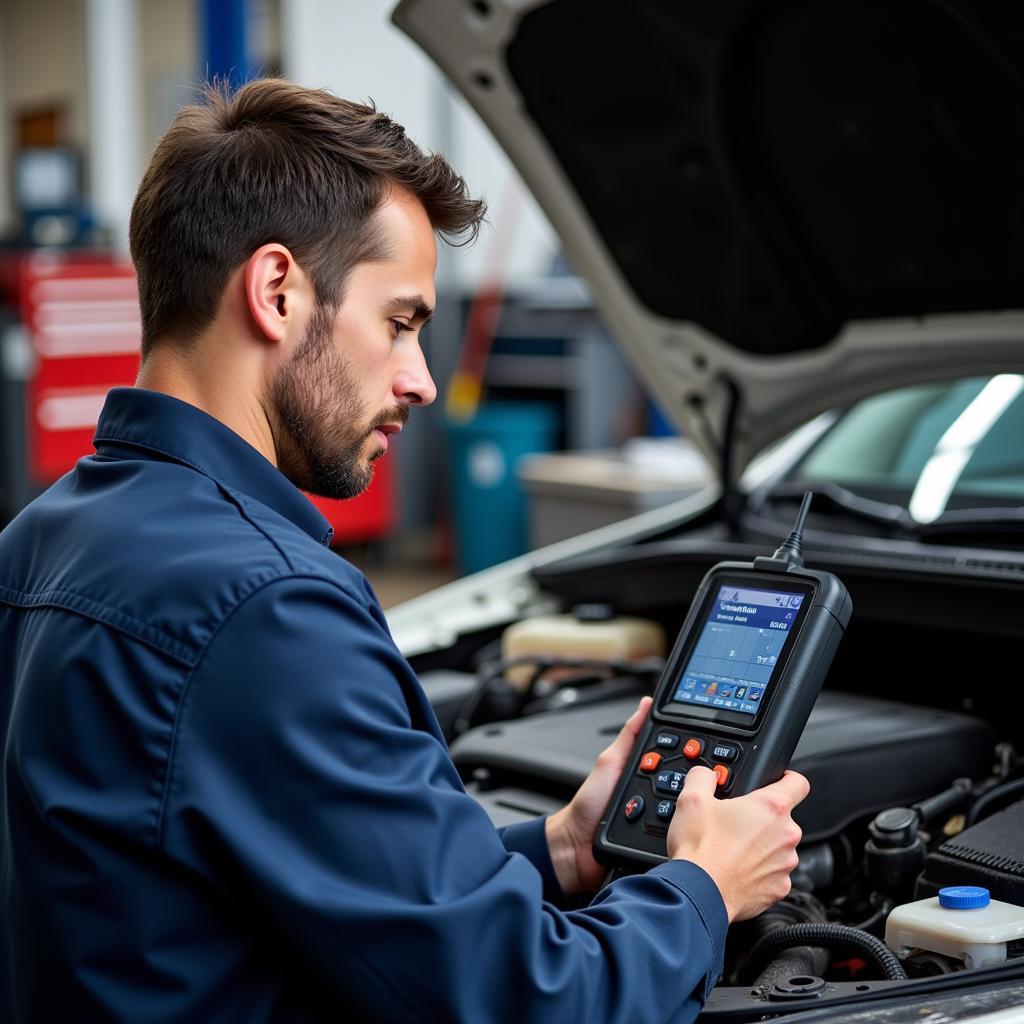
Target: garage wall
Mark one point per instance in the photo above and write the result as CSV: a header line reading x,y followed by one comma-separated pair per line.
x,y
353,49
44,59
168,66
42,64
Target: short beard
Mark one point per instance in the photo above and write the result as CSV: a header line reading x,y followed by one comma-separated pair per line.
x,y
316,416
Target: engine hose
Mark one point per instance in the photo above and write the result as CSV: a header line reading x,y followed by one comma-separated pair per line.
x,y
806,961
836,937
1001,792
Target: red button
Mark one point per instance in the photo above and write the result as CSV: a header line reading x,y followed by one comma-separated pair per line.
x,y
650,761
722,771
692,749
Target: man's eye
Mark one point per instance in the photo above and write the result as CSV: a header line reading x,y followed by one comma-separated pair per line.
x,y
399,327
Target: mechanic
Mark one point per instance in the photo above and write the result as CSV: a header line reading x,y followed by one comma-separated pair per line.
x,y
224,795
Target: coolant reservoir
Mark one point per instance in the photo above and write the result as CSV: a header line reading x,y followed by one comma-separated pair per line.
x,y
591,631
962,922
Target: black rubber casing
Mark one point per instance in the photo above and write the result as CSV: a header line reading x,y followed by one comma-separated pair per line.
x,y
764,745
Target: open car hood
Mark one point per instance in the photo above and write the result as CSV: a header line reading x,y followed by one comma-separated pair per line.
x,y
794,203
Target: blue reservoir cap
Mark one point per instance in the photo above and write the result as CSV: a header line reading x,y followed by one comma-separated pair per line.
x,y
963,897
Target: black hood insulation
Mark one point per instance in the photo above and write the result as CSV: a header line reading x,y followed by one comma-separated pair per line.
x,y
772,169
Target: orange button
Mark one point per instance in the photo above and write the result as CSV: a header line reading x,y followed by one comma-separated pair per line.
x,y
722,771
650,761
692,749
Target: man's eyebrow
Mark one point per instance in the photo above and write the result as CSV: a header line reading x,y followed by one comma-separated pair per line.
x,y
402,303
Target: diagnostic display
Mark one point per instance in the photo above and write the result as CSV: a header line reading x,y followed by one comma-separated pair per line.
x,y
738,648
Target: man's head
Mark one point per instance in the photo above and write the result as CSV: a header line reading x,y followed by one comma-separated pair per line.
x,y
310,220
357,368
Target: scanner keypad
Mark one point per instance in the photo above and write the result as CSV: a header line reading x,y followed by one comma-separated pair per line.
x,y
671,753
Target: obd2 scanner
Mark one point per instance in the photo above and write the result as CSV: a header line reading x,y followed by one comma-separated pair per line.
x,y
735,695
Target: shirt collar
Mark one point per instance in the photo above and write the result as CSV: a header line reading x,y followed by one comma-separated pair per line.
x,y
155,422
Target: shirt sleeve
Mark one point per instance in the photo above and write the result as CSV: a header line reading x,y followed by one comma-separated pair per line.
x,y
530,839
300,784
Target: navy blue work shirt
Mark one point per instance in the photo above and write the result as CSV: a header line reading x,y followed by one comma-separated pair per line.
x,y
225,797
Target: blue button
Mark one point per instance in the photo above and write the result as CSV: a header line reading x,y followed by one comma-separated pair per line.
x,y
964,897
668,781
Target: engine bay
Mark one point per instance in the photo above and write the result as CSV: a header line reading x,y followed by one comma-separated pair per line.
x,y
911,751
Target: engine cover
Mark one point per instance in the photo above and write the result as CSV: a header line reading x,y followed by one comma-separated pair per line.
x,y
861,755
990,853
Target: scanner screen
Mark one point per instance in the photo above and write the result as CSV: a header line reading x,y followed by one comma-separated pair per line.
x,y
739,645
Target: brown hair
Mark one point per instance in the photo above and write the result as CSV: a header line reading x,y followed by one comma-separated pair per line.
x,y
274,162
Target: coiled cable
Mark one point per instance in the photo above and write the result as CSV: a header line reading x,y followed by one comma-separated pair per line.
x,y
836,937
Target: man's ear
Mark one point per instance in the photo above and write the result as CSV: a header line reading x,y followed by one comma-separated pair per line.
x,y
273,288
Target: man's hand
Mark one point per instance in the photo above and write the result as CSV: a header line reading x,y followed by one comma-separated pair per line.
x,y
747,844
570,831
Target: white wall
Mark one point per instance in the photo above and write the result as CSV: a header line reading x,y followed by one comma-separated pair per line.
x,y
111,35
353,49
168,65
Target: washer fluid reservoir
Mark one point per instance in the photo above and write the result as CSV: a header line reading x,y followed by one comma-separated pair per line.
x,y
591,632
962,922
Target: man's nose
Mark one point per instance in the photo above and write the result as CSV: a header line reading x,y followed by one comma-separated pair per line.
x,y
413,383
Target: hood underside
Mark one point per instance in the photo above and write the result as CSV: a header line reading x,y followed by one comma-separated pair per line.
x,y
791,202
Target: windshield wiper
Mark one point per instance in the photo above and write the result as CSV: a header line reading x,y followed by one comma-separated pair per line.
x,y
974,520
882,513
897,518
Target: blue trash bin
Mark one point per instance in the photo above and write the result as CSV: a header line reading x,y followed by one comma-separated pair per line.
x,y
488,502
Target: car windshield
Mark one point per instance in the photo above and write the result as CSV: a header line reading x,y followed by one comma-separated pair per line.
x,y
931,448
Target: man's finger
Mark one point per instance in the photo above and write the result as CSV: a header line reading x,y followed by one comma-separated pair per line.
x,y
700,780
623,743
792,787
636,719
